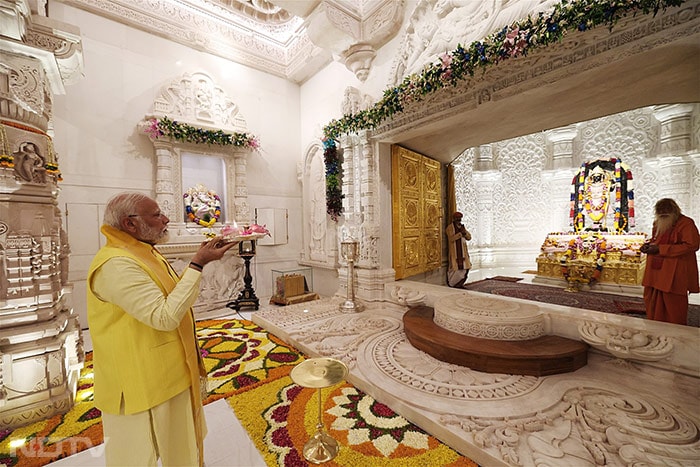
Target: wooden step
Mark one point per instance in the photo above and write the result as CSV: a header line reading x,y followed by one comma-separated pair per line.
x,y
545,355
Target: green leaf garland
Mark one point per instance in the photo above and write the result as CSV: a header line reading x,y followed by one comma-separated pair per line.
x,y
334,192
189,134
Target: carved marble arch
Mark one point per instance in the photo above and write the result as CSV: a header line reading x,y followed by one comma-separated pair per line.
x,y
195,100
319,232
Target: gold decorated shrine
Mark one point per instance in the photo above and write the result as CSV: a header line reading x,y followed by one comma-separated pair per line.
x,y
575,257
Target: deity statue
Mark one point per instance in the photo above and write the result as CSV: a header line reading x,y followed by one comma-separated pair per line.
x,y
29,163
597,189
602,194
202,206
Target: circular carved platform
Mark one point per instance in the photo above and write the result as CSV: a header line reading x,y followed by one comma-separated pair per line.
x,y
487,317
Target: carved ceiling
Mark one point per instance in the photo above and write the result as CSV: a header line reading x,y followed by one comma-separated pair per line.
x,y
292,39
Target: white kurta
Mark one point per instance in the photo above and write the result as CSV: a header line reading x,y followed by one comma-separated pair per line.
x,y
459,262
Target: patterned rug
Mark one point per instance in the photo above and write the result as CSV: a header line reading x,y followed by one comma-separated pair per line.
x,y
250,368
605,302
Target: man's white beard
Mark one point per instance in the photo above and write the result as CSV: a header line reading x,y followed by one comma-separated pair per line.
x,y
164,237
664,223
152,235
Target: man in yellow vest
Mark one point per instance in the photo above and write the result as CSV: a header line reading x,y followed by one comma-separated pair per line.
x,y
146,361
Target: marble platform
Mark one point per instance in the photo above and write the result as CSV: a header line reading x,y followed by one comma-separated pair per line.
x,y
635,402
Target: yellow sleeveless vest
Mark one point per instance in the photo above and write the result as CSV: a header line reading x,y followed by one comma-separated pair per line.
x,y
133,361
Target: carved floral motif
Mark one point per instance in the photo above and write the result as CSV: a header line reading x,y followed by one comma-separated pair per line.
x,y
625,342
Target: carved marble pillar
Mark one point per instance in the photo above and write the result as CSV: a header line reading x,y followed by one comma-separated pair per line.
x,y
673,165
558,180
484,158
558,185
164,187
40,338
562,141
351,212
484,183
675,135
239,197
361,216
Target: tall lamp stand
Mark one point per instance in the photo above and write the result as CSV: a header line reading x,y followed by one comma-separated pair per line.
x,y
349,250
319,373
247,297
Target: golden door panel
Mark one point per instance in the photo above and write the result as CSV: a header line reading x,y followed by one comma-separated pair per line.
x,y
410,214
432,232
409,174
416,212
412,253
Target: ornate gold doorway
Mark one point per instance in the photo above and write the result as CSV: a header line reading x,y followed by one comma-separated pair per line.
x,y
416,193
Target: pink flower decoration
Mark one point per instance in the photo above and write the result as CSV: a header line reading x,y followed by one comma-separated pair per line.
x,y
446,60
153,131
260,229
229,230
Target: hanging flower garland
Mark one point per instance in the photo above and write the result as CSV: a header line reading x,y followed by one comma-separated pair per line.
x,y
620,220
512,41
202,206
52,169
583,245
334,192
189,134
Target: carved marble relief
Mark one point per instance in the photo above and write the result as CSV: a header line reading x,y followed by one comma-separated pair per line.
x,y
318,230
27,97
438,27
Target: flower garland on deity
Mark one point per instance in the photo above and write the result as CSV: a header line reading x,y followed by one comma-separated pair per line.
x,y
202,206
621,221
582,246
596,187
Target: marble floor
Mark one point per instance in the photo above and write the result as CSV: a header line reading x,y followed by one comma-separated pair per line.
x,y
227,443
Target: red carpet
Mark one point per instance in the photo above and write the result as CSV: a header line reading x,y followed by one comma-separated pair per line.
x,y
608,303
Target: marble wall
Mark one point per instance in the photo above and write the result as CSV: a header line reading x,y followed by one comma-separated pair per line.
x,y
104,151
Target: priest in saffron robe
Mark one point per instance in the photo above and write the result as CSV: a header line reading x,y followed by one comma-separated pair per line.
x,y
672,269
459,263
